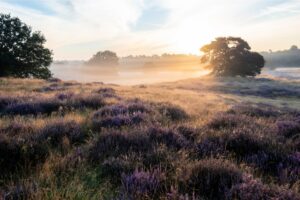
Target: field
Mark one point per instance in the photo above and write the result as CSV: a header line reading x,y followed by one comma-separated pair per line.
x,y
208,138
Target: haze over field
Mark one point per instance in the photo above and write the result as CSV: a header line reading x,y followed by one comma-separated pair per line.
x,y
150,99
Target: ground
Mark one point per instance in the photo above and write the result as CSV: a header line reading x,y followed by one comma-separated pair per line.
x,y
205,138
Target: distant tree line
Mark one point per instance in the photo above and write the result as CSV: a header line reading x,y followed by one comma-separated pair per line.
x,y
104,58
284,58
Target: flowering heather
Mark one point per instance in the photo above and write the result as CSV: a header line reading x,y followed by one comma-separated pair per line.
x,y
55,132
212,178
173,113
119,121
224,120
211,146
118,143
113,168
188,132
64,96
289,128
143,184
168,137
6,101
253,189
45,106
81,101
106,92
255,111
16,128
15,155
122,109
20,191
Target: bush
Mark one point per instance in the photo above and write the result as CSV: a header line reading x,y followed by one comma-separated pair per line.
x,y
143,184
119,115
113,168
119,121
21,191
55,132
16,128
45,106
93,101
172,112
188,132
168,137
122,109
117,143
211,146
261,152
288,128
255,190
106,92
6,101
19,155
211,178
255,111
222,121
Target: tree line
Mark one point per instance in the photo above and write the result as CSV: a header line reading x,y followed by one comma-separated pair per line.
x,y
23,54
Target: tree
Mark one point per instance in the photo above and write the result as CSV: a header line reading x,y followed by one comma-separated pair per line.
x,y
104,58
22,52
231,56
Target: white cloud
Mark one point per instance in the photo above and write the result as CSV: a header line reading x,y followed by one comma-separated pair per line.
x,y
80,27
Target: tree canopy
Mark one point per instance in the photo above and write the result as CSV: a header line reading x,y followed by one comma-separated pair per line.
x,y
231,56
104,58
22,51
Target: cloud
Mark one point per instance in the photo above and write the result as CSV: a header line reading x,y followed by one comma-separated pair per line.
x,y
78,28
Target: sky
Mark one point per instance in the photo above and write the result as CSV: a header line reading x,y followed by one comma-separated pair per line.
x,y
77,29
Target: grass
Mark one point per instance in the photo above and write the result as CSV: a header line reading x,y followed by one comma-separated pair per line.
x,y
209,138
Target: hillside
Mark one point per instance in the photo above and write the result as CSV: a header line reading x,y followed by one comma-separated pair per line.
x,y
208,138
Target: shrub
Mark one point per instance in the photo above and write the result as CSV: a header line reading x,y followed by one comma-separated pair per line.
x,y
122,109
288,128
172,112
222,121
64,96
255,111
119,121
211,178
168,137
143,184
120,115
106,92
252,189
289,170
117,143
6,101
55,132
21,191
17,155
188,132
16,128
261,152
113,168
93,101
45,106
211,146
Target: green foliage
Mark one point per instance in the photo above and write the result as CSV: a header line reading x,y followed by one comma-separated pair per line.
x,y
232,57
22,52
104,58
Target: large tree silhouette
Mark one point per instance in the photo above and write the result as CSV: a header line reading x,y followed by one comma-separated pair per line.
x,y
22,52
231,56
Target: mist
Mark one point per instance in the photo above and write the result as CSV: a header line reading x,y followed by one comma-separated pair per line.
x,y
132,70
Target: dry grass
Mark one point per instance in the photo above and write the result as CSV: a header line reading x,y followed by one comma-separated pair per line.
x,y
155,152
